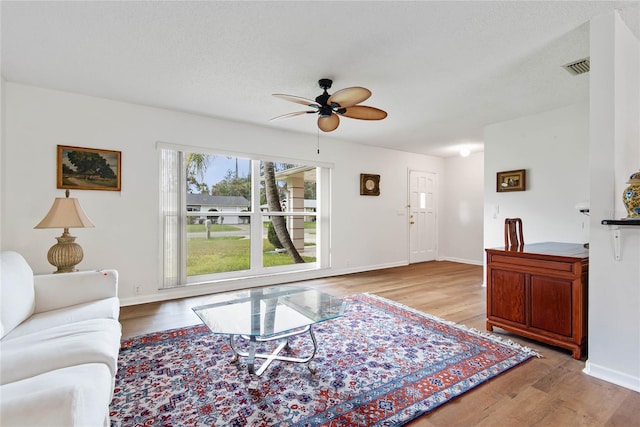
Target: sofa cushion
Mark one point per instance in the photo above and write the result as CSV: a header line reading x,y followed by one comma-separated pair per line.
x,y
16,290
87,341
74,396
108,308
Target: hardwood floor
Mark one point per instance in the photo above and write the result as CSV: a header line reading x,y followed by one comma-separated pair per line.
x,y
549,391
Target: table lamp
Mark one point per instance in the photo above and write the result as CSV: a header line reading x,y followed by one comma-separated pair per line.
x,y
65,213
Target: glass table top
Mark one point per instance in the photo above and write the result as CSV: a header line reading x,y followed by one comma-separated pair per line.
x,y
268,311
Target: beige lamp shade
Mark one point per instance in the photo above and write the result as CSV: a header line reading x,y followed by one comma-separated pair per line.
x,y
65,213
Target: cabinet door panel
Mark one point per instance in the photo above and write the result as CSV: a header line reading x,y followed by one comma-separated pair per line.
x,y
508,295
551,304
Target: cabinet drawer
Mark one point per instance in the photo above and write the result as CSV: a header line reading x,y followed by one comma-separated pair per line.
x,y
567,267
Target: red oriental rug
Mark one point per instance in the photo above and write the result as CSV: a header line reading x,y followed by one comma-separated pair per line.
x,y
381,363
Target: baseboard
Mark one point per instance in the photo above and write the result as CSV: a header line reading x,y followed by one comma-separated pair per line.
x,y
351,270
461,260
614,377
251,282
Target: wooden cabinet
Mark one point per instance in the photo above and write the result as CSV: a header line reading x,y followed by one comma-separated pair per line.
x,y
540,291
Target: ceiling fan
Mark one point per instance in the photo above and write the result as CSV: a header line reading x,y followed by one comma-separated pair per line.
x,y
330,107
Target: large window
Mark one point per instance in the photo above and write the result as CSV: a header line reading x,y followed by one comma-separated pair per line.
x,y
227,216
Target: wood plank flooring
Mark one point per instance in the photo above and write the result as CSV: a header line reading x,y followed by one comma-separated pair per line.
x,y
549,391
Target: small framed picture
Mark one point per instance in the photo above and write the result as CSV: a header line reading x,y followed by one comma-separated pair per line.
x,y
88,168
515,180
369,184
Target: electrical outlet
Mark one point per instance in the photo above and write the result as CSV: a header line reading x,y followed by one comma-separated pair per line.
x,y
137,290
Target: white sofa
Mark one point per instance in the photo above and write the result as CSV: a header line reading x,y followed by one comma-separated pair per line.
x,y
59,345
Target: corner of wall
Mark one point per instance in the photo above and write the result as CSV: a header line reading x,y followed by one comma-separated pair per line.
x,y
3,144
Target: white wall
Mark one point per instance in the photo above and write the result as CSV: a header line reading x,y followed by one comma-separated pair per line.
x,y
553,148
614,286
2,147
367,232
461,239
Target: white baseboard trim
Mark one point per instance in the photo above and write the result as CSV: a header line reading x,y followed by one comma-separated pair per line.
x,y
275,279
461,260
246,283
342,271
612,376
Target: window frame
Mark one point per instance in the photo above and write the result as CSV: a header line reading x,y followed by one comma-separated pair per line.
x,y
256,269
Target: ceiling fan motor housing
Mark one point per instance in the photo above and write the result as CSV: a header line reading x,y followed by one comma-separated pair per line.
x,y
325,109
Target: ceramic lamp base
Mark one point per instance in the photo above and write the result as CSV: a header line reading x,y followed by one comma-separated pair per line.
x,y
65,254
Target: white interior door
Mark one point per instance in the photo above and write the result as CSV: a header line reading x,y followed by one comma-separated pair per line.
x,y
422,216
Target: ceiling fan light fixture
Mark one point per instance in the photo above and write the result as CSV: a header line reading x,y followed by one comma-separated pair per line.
x,y
328,124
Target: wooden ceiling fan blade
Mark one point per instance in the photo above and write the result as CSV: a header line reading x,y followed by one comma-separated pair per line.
x,y
297,100
289,115
364,113
349,96
328,124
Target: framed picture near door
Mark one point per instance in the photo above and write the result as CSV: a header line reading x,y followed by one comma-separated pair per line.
x,y
369,184
81,168
515,180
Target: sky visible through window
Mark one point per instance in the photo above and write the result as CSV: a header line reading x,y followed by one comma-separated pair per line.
x,y
219,166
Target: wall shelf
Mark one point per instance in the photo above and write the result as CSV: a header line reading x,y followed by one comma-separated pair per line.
x,y
614,225
630,222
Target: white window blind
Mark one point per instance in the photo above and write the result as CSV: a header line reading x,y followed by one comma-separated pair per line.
x,y
171,196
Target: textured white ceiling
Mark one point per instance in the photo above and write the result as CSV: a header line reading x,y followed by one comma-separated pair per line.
x,y
442,70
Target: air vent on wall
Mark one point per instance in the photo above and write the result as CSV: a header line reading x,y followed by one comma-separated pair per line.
x,y
578,67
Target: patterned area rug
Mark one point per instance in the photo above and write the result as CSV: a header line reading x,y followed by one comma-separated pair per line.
x,y
381,363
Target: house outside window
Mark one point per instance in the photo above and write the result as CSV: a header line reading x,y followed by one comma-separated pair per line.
x,y
205,203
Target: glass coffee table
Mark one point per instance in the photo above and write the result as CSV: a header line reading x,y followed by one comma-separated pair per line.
x,y
272,314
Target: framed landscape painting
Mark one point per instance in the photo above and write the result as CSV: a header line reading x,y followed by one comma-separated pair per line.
x,y
88,169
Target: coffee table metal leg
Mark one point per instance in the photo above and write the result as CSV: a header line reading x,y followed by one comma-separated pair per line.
x,y
310,365
251,358
236,356
283,340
